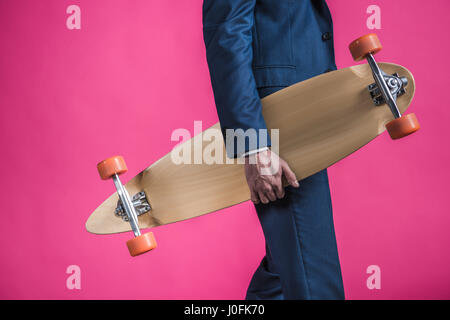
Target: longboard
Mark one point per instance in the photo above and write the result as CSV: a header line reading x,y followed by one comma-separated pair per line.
x,y
321,121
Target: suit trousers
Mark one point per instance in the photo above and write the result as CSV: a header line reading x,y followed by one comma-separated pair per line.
x,y
301,260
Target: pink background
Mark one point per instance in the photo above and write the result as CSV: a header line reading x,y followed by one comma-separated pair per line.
x,y
135,72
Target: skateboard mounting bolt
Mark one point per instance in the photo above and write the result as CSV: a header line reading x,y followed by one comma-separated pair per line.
x,y
395,84
140,204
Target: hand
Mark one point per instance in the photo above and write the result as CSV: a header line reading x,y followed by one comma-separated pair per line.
x,y
264,172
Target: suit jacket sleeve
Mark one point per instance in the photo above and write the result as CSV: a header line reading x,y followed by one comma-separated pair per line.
x,y
227,32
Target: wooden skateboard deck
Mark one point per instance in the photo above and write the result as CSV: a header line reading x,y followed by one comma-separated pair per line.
x,y
320,121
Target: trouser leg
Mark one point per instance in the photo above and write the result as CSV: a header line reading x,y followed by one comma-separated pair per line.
x,y
301,254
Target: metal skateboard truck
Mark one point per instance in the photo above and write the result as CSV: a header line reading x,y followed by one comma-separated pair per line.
x,y
386,88
112,168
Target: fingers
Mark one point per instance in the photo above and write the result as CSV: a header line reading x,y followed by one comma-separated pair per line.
x,y
263,197
268,196
290,175
279,190
254,196
264,187
271,195
267,193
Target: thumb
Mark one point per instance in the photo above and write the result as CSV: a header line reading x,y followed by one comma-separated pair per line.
x,y
289,175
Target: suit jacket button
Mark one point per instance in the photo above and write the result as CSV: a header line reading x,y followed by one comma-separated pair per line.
x,y
326,36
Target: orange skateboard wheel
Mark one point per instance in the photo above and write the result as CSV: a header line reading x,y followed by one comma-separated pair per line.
x,y
111,166
141,244
364,45
403,126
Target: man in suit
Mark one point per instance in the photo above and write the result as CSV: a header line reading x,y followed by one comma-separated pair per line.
x,y
254,48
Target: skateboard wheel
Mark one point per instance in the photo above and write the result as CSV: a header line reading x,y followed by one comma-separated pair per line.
x,y
141,244
403,126
364,45
114,165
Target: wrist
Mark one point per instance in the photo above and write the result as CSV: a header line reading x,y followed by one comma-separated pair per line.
x,y
255,157
253,152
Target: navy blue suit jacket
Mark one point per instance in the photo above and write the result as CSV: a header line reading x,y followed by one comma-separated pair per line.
x,y
255,47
